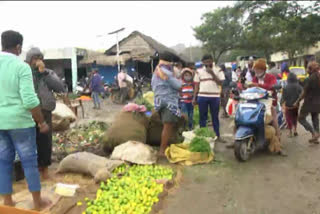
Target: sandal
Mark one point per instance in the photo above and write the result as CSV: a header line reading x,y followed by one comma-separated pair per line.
x,y
296,134
282,153
314,139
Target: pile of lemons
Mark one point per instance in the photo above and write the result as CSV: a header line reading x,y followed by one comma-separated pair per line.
x,y
134,193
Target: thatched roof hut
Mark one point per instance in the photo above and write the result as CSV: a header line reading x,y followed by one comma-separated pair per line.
x,y
141,48
99,58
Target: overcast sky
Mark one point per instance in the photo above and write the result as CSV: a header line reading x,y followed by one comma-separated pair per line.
x,y
68,24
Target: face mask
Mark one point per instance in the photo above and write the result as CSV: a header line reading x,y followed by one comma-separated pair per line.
x,y
260,75
188,78
169,67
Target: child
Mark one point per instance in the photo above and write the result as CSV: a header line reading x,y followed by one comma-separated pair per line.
x,y
290,95
187,95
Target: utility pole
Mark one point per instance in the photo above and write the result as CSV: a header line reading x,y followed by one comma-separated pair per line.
x,y
118,48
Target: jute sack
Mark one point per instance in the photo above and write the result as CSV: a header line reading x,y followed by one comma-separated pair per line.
x,y
62,117
155,130
87,163
127,126
135,152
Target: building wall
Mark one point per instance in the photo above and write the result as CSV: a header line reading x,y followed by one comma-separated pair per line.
x,y
282,56
58,65
109,72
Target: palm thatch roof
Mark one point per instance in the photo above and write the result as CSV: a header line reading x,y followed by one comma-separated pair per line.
x,y
142,47
101,59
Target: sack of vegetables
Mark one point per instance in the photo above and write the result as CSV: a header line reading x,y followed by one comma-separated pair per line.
x,y
127,126
155,130
197,152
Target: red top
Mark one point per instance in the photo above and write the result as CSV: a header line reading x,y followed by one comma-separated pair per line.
x,y
268,82
186,92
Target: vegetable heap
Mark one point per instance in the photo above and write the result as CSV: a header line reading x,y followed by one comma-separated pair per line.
x,y
135,192
82,135
200,144
205,132
145,102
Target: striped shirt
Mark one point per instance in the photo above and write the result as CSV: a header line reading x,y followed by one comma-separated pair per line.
x,y
207,86
186,95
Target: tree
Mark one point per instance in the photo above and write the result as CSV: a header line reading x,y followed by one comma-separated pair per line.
x,y
280,26
220,31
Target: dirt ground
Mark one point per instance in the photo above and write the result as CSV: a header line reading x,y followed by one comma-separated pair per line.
x,y
106,114
266,184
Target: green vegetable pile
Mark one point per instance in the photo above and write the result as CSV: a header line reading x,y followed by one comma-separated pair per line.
x,y
135,192
80,138
200,144
143,101
205,132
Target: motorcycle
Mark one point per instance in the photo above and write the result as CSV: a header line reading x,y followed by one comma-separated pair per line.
x,y
250,122
135,90
107,90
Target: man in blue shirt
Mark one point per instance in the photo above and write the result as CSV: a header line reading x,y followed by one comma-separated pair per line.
x,y
96,88
166,89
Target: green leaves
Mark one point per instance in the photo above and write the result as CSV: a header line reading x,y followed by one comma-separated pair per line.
x,y
200,144
260,26
220,31
205,132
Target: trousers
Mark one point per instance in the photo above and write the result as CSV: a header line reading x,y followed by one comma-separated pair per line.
x,y
22,141
212,103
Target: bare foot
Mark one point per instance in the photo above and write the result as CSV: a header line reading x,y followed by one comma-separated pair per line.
x,y
9,203
44,203
161,154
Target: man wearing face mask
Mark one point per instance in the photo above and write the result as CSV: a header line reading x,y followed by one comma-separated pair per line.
x,y
267,81
45,82
249,73
208,81
166,88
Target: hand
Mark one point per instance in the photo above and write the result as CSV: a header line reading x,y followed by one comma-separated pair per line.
x,y
43,127
296,104
210,71
251,84
40,65
194,102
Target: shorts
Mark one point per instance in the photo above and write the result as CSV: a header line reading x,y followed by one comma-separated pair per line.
x,y
167,116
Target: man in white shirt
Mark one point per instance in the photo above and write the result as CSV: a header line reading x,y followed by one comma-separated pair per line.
x,y
250,71
122,81
208,81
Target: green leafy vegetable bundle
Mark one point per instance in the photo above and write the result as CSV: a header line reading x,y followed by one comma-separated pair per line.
x,y
143,101
200,144
205,132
